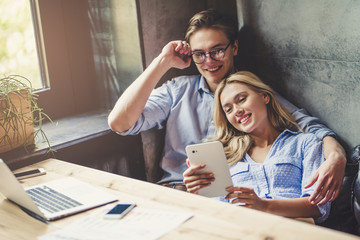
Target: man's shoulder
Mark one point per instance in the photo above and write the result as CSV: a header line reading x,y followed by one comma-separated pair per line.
x,y
184,80
181,85
177,87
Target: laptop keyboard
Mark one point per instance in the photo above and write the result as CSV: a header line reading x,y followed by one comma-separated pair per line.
x,y
51,200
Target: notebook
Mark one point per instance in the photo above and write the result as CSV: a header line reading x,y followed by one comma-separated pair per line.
x,y
55,199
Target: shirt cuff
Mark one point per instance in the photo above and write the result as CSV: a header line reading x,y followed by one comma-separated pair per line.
x,y
320,134
324,211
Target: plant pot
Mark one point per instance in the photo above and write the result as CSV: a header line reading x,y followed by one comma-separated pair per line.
x,y
16,120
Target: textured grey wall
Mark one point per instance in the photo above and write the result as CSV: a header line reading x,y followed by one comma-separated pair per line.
x,y
309,51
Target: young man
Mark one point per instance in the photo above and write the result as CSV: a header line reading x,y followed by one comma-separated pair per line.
x,y
185,103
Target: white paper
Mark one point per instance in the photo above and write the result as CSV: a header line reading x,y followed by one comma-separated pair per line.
x,y
140,223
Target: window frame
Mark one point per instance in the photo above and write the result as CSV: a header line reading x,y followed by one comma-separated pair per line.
x,y
63,36
34,8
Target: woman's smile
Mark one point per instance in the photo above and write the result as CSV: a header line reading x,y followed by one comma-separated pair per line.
x,y
244,119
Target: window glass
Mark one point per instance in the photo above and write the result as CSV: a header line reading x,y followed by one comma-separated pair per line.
x,y
18,51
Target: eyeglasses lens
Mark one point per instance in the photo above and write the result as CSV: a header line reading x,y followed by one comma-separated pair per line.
x,y
216,55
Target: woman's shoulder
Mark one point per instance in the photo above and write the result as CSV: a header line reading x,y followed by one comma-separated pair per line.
x,y
292,143
299,137
298,134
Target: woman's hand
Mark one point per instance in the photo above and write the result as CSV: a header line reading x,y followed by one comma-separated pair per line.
x,y
246,197
194,180
177,54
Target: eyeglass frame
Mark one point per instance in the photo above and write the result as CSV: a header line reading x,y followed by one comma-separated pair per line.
x,y
209,53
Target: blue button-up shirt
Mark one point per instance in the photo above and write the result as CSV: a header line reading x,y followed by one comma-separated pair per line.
x,y
292,160
185,106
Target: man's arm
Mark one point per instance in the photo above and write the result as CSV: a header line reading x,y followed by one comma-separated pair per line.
x,y
330,174
130,105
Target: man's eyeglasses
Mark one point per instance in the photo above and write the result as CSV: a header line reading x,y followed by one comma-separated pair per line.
x,y
216,54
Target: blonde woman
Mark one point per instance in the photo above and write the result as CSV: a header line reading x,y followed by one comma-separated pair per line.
x,y
270,158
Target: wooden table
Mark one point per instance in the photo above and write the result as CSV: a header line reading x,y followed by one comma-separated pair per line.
x,y
211,219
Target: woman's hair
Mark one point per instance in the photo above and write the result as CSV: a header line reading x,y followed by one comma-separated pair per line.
x,y
212,19
237,143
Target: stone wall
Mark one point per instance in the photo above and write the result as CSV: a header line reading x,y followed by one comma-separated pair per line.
x,y
309,51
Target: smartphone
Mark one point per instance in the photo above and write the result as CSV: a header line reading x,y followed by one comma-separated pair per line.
x,y
30,173
119,211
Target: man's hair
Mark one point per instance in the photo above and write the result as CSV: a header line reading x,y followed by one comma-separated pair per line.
x,y
212,19
237,143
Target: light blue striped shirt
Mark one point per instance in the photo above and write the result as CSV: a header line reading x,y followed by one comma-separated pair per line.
x,y
185,106
292,160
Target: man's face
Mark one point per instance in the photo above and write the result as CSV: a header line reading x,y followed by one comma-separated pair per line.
x,y
205,40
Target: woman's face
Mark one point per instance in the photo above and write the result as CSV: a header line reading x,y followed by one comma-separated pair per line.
x,y
205,40
244,108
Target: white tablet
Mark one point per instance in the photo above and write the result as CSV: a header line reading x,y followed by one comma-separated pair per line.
x,y
212,154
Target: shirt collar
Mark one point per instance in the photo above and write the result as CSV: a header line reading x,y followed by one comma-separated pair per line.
x,y
288,131
247,157
203,86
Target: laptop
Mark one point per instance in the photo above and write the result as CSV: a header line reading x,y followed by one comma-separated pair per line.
x,y
52,200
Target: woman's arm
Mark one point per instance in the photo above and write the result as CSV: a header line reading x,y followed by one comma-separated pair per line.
x,y
294,208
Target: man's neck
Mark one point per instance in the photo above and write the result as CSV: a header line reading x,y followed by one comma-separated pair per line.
x,y
212,85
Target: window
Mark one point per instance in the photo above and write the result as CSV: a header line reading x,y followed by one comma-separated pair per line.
x,y
75,85
69,82
19,53
64,33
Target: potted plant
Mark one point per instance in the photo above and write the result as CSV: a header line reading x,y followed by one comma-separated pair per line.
x,y
19,113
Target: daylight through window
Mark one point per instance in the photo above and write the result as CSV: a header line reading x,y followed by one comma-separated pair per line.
x,y
18,51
